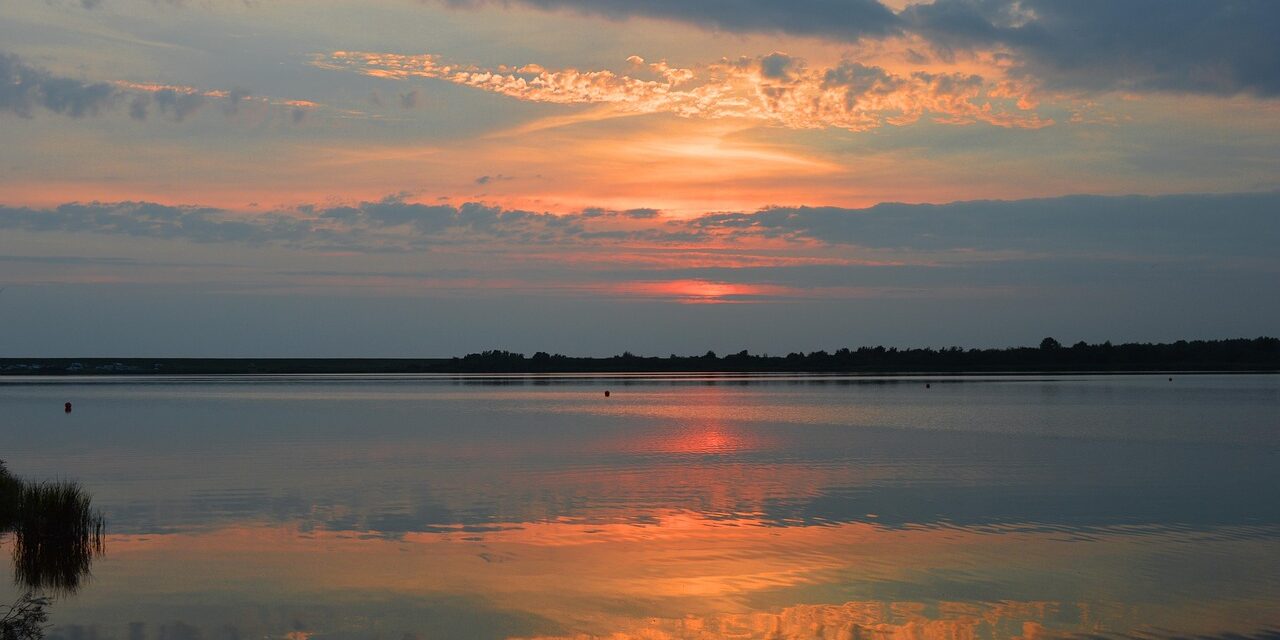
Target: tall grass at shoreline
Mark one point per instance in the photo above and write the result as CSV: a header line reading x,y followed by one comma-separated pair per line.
x,y
56,532
10,496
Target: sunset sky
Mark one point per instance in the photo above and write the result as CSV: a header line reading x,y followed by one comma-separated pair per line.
x,y
429,178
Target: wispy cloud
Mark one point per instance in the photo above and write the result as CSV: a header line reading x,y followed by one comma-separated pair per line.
x,y
776,89
180,101
25,88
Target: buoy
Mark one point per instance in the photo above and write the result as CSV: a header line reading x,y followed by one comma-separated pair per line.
x,y
1170,379
67,407
927,386
606,394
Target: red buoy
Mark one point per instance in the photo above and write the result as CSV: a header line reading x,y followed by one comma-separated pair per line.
x,y
606,394
67,407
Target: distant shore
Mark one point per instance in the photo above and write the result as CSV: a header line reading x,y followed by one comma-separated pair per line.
x,y
1244,355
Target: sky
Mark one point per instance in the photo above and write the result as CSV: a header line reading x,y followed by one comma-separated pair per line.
x,y
426,178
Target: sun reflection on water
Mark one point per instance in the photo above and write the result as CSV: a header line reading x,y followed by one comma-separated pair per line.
x,y
708,509
685,574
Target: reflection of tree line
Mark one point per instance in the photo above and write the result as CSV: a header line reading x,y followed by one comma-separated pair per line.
x,y
56,535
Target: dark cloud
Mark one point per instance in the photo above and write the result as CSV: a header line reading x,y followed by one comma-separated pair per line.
x,y
836,19
138,106
410,224
1240,227
776,65
178,104
23,88
641,214
150,220
856,81
1178,225
234,98
497,177
1217,47
387,224
394,212
1214,47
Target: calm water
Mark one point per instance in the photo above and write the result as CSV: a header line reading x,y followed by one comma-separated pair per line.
x,y
406,508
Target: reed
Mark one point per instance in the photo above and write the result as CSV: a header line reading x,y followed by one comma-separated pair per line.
x,y
10,494
56,532
56,537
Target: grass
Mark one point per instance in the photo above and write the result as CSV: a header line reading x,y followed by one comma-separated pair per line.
x,y
56,532
10,495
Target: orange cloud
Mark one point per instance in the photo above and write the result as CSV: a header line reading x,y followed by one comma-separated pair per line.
x,y
776,89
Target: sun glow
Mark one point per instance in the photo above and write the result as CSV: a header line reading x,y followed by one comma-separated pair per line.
x,y
700,291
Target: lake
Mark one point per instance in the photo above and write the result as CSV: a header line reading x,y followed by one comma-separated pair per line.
x,y
405,508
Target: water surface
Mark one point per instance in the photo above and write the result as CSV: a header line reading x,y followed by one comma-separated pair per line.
x,y
679,507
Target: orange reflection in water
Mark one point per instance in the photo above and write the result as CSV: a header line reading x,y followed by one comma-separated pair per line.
x,y
688,575
873,619
697,437
707,439
706,423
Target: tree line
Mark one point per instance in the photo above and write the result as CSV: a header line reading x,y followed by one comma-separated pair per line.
x,y
1258,354
1242,354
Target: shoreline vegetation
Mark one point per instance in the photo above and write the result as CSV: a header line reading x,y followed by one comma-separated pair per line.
x,y
1241,355
54,531
55,535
